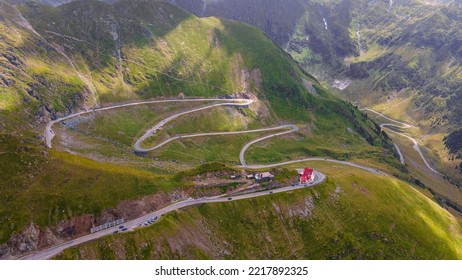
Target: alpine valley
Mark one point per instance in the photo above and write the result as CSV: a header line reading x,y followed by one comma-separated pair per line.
x,y
209,129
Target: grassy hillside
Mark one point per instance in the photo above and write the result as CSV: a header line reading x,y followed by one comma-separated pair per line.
x,y
88,53
401,56
144,49
56,61
48,189
315,33
36,82
421,48
354,215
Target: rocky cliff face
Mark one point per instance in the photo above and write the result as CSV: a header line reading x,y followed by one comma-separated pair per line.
x,y
33,238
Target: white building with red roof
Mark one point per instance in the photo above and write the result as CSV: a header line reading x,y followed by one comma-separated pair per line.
x,y
306,176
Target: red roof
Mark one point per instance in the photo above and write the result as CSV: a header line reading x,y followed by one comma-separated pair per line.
x,y
307,172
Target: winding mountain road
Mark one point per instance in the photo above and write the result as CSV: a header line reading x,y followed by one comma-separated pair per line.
x,y
49,134
237,102
290,128
159,125
402,125
52,251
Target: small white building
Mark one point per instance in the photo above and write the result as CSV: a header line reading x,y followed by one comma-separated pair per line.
x,y
264,177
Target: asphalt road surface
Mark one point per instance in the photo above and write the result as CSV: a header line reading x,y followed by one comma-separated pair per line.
x,y
289,128
52,251
49,133
403,125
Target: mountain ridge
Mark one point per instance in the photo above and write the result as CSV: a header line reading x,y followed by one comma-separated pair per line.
x,y
357,40
87,54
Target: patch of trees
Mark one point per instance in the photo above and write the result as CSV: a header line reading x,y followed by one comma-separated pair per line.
x,y
441,200
454,142
358,70
363,133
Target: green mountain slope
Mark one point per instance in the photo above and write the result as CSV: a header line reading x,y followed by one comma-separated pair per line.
x,y
418,49
162,51
354,215
386,51
87,54
399,44
315,33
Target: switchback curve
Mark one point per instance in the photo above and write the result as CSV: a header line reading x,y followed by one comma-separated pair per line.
x,y
402,125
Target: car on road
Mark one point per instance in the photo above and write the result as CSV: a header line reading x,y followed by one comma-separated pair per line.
x,y
121,227
115,231
124,229
230,198
271,192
